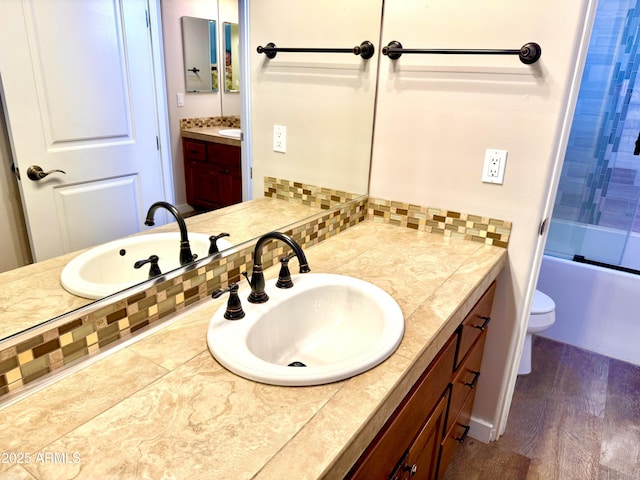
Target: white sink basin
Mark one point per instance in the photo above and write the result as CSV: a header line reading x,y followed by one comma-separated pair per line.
x,y
108,268
336,326
230,132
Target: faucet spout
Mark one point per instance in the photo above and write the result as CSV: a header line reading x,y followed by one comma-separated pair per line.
x,y
258,295
185,249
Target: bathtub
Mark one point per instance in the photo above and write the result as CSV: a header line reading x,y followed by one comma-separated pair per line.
x,y
597,309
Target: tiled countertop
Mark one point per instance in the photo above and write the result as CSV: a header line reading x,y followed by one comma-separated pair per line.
x,y
164,408
209,134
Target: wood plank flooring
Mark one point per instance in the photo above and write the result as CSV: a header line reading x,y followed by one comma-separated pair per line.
x,y
576,416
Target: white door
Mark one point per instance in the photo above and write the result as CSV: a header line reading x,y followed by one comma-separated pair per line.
x,y
78,85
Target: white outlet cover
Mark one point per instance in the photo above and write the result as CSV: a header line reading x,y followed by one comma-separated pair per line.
x,y
280,138
492,173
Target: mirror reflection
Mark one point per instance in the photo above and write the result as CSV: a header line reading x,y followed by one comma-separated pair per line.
x,y
304,160
231,57
200,52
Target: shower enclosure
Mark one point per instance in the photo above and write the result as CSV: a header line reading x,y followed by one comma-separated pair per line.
x,y
597,213
597,209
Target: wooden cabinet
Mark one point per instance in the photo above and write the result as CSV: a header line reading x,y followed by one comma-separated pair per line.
x,y
213,174
420,437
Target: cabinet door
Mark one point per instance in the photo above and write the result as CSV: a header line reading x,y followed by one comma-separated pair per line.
x,y
405,425
212,186
456,434
422,460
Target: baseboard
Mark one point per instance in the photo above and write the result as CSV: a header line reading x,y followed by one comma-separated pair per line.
x,y
481,430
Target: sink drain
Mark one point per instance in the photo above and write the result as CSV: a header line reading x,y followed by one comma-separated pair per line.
x,y
296,364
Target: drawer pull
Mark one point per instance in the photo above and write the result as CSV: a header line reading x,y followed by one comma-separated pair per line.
x,y
412,469
463,437
484,324
473,382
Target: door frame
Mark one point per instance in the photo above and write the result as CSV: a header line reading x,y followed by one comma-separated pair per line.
x,y
160,90
517,344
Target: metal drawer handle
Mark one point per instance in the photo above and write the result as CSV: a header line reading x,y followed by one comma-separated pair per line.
x,y
473,382
462,438
484,324
412,469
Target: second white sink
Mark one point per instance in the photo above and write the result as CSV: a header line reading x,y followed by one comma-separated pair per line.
x,y
231,132
334,325
108,268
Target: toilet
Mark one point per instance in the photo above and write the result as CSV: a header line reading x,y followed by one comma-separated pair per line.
x,y
542,316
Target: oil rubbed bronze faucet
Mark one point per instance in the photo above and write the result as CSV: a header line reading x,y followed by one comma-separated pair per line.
x,y
185,249
258,294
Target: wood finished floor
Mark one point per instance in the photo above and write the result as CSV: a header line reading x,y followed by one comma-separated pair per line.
x,y
576,416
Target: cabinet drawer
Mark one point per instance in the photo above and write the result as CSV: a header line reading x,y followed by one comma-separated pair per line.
x,y
194,151
474,324
466,379
224,154
408,419
456,434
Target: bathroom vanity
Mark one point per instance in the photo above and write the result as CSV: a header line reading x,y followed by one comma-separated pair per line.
x,y
171,409
212,168
421,436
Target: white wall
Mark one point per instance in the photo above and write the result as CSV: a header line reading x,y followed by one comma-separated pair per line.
x,y
437,114
326,101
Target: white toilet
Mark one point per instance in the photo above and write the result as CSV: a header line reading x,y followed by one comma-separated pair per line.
x,y
542,316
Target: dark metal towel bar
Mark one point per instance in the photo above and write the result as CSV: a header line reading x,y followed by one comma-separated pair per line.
x,y
365,50
529,53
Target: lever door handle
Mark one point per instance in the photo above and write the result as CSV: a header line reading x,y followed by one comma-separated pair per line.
x,y
35,173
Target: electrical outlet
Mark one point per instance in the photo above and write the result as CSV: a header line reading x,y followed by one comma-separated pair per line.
x,y
495,162
280,138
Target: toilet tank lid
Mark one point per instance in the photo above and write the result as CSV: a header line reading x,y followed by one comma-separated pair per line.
x,y
542,303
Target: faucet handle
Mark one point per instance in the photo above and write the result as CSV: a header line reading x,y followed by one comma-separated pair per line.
x,y
234,305
213,247
284,277
154,270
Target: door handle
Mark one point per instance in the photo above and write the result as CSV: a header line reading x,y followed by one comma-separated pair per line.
x,y
35,173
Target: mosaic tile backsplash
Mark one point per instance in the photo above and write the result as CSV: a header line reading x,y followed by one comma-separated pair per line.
x,y
81,336
306,194
476,228
230,121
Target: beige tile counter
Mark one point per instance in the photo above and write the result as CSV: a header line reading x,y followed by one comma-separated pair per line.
x,y
209,134
164,408
32,294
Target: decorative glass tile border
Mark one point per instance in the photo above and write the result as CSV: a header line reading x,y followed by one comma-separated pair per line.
x,y
78,337
476,228
231,121
306,194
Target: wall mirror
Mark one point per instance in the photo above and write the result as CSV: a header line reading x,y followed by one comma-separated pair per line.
x,y
232,58
306,140
200,51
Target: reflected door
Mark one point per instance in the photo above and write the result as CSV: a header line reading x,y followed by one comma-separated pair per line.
x,y
79,95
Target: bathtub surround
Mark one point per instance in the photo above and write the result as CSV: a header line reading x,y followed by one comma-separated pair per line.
x,y
78,336
596,308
